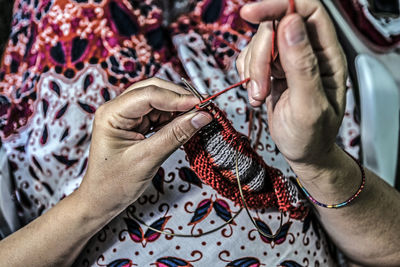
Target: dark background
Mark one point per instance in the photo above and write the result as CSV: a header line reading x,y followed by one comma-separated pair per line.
x,y
5,20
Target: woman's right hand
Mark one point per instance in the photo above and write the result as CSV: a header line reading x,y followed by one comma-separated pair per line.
x,y
306,98
122,161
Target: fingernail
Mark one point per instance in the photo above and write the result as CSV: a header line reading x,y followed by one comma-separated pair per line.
x,y
255,89
254,103
200,120
241,76
295,32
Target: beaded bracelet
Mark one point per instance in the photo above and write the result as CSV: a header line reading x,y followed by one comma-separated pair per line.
x,y
345,203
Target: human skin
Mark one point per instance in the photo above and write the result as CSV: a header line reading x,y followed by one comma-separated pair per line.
x,y
122,163
305,103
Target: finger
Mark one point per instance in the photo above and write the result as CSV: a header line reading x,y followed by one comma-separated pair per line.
x,y
323,39
248,86
247,60
159,83
314,13
240,64
158,117
175,134
320,29
333,69
270,113
260,70
152,120
144,126
140,102
299,62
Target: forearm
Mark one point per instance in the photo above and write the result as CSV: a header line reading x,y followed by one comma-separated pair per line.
x,y
56,237
368,229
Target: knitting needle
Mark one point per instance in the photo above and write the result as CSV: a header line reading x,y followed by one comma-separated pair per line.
x,y
192,89
196,93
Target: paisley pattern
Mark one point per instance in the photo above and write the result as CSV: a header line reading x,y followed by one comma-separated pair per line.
x,y
245,262
134,230
290,264
203,209
120,263
150,235
172,262
136,233
223,210
67,57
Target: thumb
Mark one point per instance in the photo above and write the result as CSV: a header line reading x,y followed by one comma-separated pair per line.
x,y
299,61
176,133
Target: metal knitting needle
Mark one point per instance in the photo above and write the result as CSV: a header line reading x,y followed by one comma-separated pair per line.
x,y
192,89
195,92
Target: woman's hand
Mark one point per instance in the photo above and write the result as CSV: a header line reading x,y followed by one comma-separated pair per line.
x,y
305,102
121,164
306,98
122,160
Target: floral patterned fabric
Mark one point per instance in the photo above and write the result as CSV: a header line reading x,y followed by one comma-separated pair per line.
x,y
67,57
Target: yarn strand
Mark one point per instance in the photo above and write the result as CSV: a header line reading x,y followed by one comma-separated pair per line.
x,y
206,102
222,92
247,209
274,54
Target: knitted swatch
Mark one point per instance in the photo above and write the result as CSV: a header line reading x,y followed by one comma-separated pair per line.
x,y
212,154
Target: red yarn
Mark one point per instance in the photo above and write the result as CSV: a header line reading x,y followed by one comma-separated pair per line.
x,y
222,92
291,10
292,7
274,193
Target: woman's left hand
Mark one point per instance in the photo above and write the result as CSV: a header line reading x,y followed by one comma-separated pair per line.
x,y
122,161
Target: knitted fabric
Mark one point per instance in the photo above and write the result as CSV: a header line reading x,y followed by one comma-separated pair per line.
x,y
212,154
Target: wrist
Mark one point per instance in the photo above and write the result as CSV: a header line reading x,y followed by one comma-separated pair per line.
x,y
333,179
92,212
105,199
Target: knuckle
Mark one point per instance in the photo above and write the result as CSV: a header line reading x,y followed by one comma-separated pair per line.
x,y
151,90
180,134
247,59
101,111
341,76
239,62
316,4
241,56
154,80
101,115
344,62
307,63
115,121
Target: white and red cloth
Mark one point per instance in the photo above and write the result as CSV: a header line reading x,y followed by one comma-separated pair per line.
x,y
67,57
